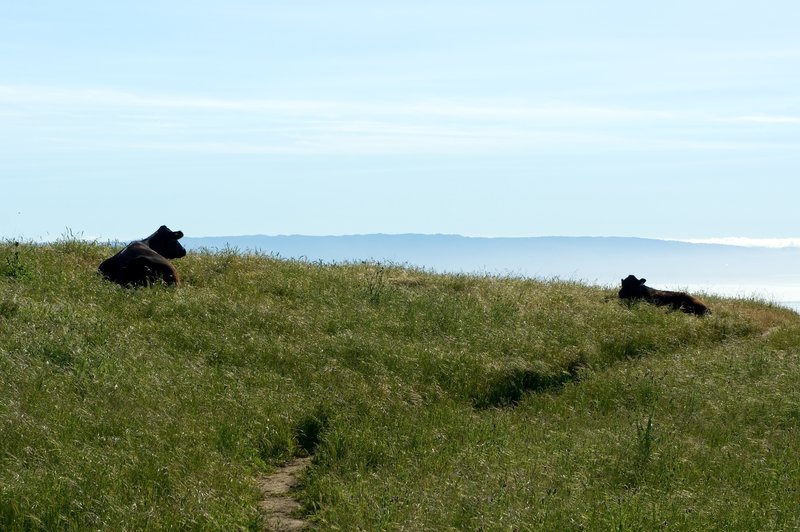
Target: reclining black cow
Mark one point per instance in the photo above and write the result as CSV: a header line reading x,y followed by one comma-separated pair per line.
x,y
144,262
633,288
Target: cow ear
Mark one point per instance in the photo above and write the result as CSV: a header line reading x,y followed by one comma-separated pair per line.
x,y
642,281
178,235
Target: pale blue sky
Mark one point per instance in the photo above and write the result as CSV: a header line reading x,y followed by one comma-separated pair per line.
x,y
501,118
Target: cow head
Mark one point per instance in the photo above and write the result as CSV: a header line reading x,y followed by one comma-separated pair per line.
x,y
165,243
632,288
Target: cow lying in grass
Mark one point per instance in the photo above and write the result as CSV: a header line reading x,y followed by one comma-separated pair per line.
x,y
633,288
144,262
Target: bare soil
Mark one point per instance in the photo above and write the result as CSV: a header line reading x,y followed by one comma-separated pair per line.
x,y
277,503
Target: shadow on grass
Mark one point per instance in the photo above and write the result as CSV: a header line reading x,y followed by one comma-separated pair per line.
x,y
309,429
509,387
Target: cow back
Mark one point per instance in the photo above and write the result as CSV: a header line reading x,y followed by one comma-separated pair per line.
x,y
138,265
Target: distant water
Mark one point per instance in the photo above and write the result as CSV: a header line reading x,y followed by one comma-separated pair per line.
x,y
785,295
766,274
794,305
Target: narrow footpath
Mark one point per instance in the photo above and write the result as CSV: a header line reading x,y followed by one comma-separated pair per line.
x,y
277,504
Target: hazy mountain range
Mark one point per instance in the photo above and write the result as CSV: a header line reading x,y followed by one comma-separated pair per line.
x,y
732,270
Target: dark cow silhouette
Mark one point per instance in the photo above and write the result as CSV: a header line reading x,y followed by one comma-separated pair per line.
x,y
143,262
633,288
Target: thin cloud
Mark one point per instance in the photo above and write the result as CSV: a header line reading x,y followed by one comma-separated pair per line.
x,y
742,241
776,54
768,119
91,97
285,126
110,98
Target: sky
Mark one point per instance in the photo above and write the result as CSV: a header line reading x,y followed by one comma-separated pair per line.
x,y
478,118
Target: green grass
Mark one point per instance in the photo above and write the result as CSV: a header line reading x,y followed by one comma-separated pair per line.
x,y
427,401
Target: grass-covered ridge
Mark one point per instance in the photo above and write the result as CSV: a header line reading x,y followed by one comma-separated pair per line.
x,y
428,401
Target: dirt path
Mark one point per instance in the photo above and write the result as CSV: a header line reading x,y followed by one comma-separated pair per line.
x,y
277,503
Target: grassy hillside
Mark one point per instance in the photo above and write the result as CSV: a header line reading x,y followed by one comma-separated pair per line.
x,y
427,401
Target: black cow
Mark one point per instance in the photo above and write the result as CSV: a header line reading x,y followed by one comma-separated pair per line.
x,y
633,288
143,262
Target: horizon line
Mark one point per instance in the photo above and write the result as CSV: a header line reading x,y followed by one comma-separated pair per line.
x,y
731,241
